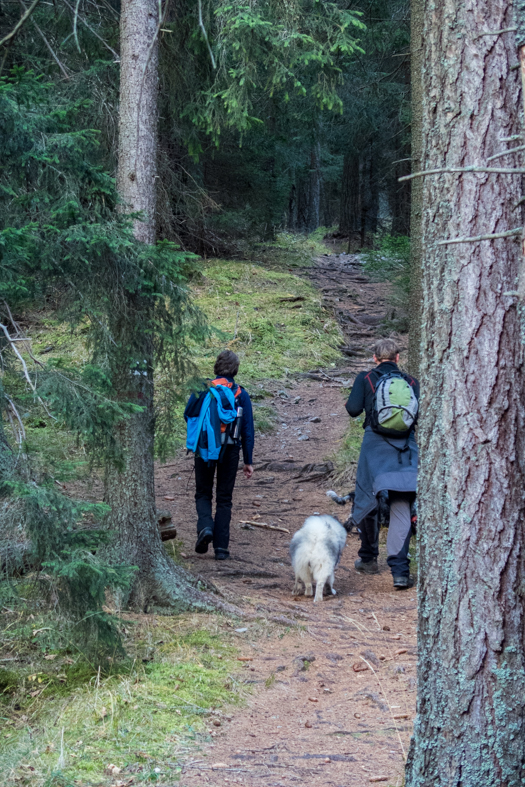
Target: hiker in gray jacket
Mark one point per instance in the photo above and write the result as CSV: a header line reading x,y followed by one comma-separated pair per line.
x,y
387,464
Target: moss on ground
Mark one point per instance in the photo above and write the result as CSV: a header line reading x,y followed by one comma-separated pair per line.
x,y
273,320
65,721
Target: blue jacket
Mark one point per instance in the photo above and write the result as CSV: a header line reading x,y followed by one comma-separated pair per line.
x,y
247,428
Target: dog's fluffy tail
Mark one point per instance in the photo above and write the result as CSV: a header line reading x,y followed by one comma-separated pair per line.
x,y
342,501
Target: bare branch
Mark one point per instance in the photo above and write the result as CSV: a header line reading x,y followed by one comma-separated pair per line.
x,y
25,16
48,45
21,430
105,43
75,25
495,32
24,367
506,152
205,34
441,170
514,137
493,236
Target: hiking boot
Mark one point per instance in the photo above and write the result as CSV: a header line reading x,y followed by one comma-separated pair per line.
x,y
404,583
222,554
370,567
203,539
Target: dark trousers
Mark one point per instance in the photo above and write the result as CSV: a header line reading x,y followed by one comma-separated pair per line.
x,y
369,534
226,474
399,534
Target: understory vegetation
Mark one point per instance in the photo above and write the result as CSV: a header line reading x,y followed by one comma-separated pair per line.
x,y
67,719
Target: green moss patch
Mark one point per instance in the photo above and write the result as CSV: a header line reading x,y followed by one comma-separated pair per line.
x,y
272,319
67,722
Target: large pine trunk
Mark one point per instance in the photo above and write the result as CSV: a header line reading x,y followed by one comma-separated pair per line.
x,y
470,727
416,191
130,486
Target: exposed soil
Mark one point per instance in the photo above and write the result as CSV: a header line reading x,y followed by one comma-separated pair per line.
x,y
333,698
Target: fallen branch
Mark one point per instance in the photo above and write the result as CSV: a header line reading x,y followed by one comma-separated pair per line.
x,y
452,170
493,236
264,526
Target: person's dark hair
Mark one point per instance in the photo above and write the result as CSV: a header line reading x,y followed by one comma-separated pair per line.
x,y
386,350
227,364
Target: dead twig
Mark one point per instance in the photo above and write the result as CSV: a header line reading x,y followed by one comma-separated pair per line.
x,y
25,16
506,152
264,526
495,32
475,239
453,170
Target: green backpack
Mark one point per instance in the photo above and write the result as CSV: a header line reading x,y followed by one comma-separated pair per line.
x,y
395,406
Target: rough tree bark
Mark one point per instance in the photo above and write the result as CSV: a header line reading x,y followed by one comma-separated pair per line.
x,y
350,208
416,190
470,727
314,188
130,488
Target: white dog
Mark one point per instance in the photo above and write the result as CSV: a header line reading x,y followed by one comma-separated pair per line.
x,y
315,551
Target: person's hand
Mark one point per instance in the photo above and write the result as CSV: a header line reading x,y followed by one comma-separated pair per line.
x,y
248,471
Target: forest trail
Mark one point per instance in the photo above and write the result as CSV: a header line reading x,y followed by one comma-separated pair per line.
x,y
333,698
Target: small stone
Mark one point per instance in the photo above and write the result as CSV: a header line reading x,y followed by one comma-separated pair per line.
x,y
308,724
315,420
216,723
386,628
400,651
313,699
303,437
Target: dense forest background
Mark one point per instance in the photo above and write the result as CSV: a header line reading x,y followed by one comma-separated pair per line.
x,y
164,170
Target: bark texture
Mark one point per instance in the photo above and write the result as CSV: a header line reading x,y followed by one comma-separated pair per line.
x,y
470,727
137,159
130,488
416,192
350,210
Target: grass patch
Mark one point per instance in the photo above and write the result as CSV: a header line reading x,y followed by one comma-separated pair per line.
x,y
346,457
273,320
292,250
65,720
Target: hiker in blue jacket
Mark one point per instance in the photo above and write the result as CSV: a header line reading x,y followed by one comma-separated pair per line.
x,y
218,529
386,465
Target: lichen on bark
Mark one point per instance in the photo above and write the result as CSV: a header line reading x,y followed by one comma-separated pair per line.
x,y
470,725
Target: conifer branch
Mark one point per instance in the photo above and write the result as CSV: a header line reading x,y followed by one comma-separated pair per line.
x,y
441,170
493,236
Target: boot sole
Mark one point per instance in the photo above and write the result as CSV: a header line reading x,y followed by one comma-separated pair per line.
x,y
201,547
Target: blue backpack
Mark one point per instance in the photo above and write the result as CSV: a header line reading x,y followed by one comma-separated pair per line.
x,y
214,409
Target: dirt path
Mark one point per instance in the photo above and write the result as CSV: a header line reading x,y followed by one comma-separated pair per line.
x,y
333,701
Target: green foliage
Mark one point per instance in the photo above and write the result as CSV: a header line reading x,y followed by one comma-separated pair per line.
x,y
390,261
61,238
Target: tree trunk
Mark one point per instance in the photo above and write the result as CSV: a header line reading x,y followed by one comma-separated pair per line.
x,y
470,727
314,191
416,87
350,210
130,486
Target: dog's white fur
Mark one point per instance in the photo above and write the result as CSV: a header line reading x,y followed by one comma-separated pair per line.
x,y
315,551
